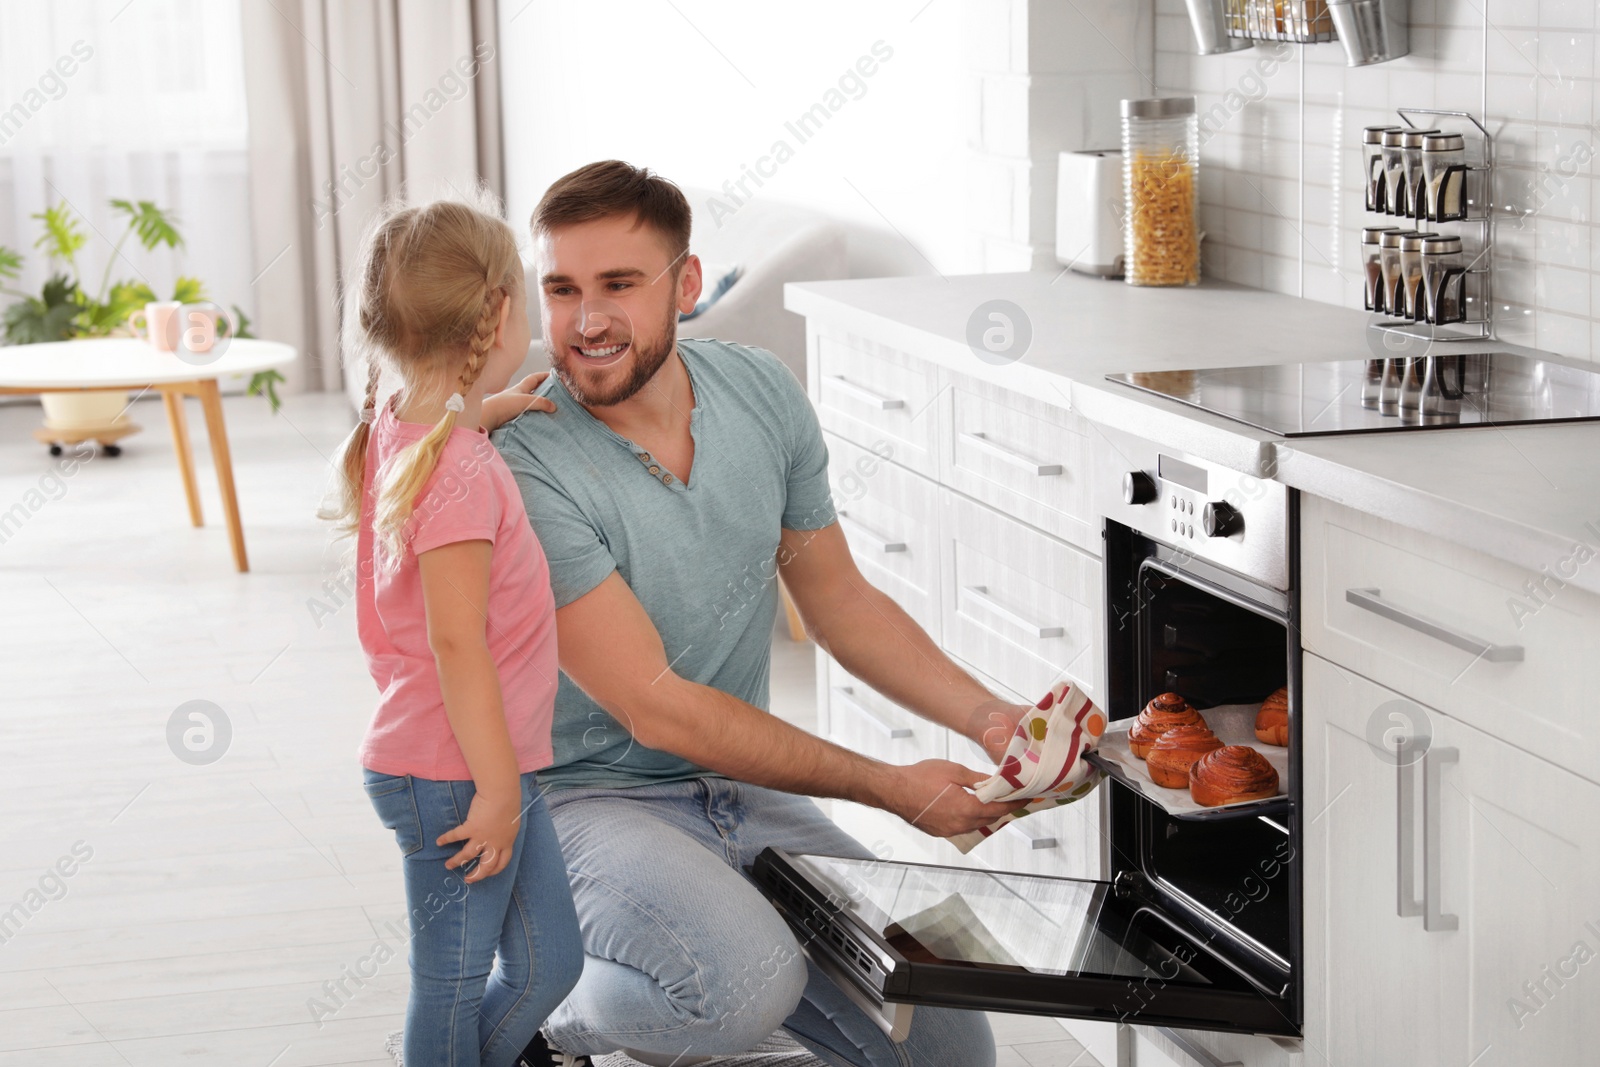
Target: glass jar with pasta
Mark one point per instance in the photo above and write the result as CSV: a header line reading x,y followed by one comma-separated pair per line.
x,y
1161,190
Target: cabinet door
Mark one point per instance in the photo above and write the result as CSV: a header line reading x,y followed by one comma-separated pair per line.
x,y
1378,992
1498,962
1520,862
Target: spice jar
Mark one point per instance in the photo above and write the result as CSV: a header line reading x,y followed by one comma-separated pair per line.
x,y
1389,262
1394,173
1411,275
1411,165
1371,262
1444,280
1372,152
1444,176
1161,190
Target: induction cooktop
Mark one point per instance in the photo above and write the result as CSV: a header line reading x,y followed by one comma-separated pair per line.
x,y
1373,395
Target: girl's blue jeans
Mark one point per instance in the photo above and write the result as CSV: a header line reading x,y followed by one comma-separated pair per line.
x,y
490,960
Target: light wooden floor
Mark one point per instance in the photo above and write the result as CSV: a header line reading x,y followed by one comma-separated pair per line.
x,y
218,903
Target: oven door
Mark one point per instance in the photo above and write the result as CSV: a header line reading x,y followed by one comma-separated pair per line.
x,y
906,933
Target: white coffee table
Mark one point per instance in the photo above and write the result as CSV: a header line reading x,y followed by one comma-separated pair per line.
x,y
123,363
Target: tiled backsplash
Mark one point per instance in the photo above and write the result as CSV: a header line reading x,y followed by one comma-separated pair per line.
x,y
1281,171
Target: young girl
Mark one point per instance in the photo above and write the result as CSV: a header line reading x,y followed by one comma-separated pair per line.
x,y
456,617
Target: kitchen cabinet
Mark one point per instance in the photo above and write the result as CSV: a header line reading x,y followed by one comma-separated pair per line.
x,y
1490,854
1504,649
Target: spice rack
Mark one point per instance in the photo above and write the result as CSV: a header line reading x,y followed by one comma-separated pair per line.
x,y
1461,194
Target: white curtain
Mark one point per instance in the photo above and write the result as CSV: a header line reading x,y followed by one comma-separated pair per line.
x,y
103,99
351,102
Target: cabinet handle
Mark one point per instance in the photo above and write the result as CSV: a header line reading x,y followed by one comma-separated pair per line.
x,y
1195,1051
980,593
866,396
1432,763
846,695
1407,904
878,542
1369,600
1035,841
981,442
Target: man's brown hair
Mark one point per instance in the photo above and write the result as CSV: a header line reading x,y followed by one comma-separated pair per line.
x,y
612,187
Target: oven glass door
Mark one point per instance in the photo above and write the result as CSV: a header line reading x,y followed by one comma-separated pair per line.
x,y
995,941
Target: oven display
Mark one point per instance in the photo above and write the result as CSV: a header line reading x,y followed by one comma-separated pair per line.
x,y
1180,473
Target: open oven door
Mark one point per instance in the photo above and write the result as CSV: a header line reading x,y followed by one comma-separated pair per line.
x,y
896,934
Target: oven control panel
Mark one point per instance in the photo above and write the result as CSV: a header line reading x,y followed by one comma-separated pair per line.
x,y
1236,520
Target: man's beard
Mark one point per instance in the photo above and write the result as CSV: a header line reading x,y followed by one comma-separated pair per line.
x,y
647,355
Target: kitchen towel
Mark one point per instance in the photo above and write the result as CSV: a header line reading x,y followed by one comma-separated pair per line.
x,y
1043,766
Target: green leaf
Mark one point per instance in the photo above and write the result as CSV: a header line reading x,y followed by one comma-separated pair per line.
x,y
265,381
152,225
97,319
48,317
241,323
10,262
189,290
61,238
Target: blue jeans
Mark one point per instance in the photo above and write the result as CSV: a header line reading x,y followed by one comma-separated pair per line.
x,y
684,954
459,1013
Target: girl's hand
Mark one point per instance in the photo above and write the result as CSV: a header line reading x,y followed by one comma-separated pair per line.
x,y
513,400
489,833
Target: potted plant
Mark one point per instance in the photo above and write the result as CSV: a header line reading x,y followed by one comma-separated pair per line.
x,y
66,310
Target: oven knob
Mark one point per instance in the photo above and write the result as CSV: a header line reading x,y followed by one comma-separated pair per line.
x,y
1221,520
1138,487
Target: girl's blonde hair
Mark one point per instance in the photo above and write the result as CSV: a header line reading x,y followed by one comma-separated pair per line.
x,y
424,300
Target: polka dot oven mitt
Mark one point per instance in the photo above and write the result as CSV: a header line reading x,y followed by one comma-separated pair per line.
x,y
1043,766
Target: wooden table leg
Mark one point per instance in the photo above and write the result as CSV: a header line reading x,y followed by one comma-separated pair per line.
x,y
179,425
211,404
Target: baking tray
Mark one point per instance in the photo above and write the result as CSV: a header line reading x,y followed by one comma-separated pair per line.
x,y
1234,724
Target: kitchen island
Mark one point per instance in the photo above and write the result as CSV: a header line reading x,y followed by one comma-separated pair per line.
x,y
1447,595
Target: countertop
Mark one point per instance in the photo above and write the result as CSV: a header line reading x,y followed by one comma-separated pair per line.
x,y
1525,494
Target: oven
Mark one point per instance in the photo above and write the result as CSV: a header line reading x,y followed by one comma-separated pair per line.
x,y
1195,922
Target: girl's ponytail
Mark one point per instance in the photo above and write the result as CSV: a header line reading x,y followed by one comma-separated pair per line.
x,y
427,297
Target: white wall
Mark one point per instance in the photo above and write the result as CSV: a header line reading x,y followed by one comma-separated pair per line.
x,y
699,90
1281,200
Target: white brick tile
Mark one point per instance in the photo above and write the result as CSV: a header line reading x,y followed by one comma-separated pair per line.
x,y
1562,334
1563,290
1572,14
1563,244
1003,114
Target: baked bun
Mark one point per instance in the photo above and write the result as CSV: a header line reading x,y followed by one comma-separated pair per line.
x,y
1174,750
1230,774
1159,716
1272,721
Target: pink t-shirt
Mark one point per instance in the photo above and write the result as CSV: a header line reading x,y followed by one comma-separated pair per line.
x,y
471,496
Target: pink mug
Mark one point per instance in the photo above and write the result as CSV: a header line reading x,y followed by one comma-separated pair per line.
x,y
157,323
204,324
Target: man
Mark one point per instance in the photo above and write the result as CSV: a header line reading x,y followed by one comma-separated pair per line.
x,y
674,480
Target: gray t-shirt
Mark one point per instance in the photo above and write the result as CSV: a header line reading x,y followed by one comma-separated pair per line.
x,y
701,558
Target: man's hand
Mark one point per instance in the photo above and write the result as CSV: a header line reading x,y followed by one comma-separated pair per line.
x,y
992,725
933,797
513,400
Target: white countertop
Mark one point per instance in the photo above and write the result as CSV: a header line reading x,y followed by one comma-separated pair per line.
x,y
1524,493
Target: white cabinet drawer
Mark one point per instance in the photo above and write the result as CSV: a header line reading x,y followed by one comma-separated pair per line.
x,y
1509,651
1026,457
890,517
876,396
1020,606
861,720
